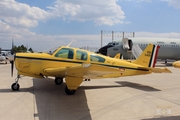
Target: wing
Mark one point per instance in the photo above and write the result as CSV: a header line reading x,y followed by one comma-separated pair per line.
x,y
100,71
69,71
83,70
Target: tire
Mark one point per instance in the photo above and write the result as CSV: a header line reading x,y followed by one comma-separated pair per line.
x,y
69,92
58,81
11,62
15,86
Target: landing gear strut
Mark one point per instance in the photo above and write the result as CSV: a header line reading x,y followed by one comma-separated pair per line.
x,y
58,81
15,86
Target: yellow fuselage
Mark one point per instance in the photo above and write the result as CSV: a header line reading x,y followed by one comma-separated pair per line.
x,y
34,65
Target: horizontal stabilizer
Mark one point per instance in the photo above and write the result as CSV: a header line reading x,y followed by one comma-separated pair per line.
x,y
118,56
160,70
156,70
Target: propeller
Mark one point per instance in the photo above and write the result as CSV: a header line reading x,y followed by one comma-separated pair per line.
x,y
12,68
12,62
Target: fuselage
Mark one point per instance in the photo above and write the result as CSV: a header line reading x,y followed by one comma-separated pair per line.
x,y
169,48
93,65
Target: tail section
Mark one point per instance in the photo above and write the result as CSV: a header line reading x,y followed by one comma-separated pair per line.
x,y
149,56
118,56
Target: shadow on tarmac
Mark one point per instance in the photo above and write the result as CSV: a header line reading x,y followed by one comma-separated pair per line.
x,y
21,90
164,118
137,86
53,103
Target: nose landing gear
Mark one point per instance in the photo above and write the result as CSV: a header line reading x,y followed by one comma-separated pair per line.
x,y
15,86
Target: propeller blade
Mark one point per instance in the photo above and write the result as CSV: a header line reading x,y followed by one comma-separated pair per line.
x,y
12,65
12,68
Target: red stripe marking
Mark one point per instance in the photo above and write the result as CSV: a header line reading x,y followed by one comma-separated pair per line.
x,y
156,55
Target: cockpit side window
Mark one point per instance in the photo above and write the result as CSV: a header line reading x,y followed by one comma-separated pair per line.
x,y
96,58
81,55
65,53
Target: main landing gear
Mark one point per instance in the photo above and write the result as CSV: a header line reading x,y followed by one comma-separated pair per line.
x,y
58,81
68,91
15,86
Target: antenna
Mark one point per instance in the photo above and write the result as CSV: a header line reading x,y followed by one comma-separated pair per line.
x,y
70,43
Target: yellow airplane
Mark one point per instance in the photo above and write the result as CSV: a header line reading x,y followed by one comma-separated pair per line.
x,y
176,64
75,64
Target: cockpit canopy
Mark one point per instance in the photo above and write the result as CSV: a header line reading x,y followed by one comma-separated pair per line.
x,y
78,54
113,43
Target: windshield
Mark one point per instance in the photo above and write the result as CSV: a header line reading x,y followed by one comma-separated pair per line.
x,y
112,43
51,50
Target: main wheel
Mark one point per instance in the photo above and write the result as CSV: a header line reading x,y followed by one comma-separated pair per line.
x,y
68,91
15,86
58,81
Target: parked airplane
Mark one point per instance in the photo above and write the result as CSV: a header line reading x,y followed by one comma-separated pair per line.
x,y
75,64
6,56
8,53
3,59
169,47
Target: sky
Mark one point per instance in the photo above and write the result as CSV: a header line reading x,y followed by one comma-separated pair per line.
x,y
44,24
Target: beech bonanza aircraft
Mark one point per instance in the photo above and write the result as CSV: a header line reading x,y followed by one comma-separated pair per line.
x,y
75,64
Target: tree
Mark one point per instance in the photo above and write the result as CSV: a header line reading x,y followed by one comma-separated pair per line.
x,y
21,48
30,50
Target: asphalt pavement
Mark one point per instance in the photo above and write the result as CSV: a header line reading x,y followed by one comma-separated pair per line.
x,y
146,97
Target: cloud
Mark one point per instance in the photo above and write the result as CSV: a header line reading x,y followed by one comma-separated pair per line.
x,y
41,42
22,15
173,3
158,35
4,27
16,18
138,0
101,12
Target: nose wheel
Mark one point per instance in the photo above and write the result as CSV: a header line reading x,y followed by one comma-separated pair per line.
x,y
15,86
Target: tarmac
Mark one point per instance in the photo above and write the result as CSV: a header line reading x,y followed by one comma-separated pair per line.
x,y
144,97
